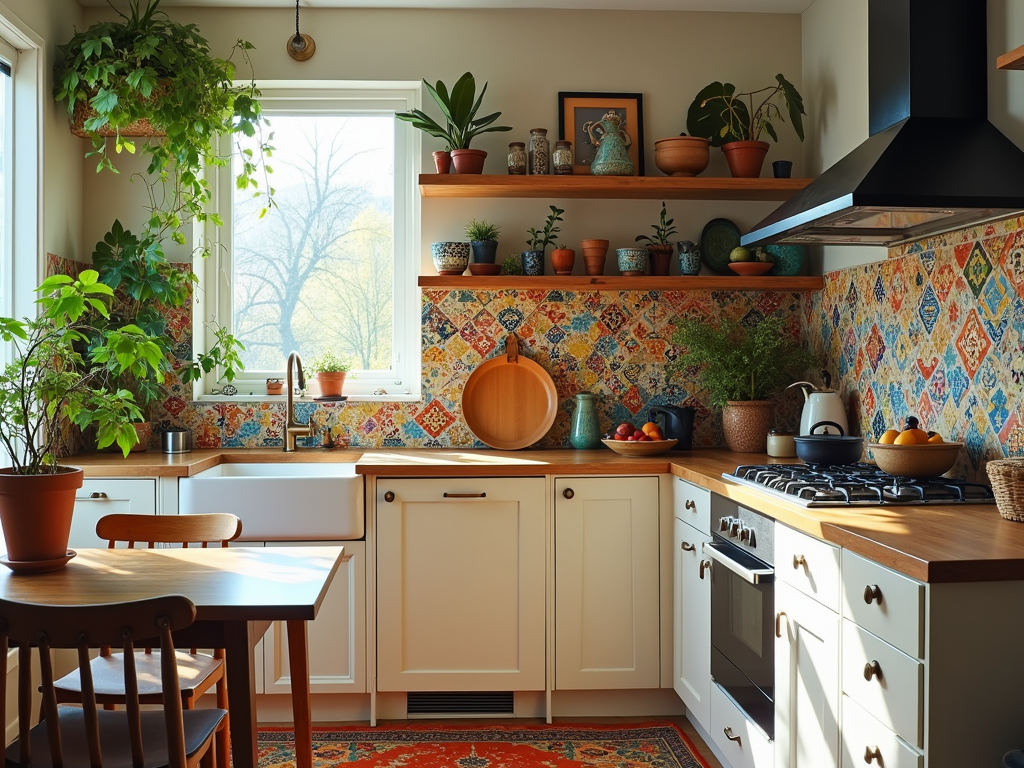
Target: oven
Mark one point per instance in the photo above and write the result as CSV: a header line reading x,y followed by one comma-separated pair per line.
x,y
742,612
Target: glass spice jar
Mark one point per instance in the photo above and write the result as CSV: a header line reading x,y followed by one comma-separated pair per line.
x,y
561,158
540,152
517,158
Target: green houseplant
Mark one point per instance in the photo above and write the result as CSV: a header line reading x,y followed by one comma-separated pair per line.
x,y
330,370
483,237
735,121
48,384
741,368
659,246
459,108
533,257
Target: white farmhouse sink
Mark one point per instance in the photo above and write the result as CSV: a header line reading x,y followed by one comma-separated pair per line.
x,y
281,502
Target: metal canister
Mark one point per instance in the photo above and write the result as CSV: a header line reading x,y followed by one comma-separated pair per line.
x,y
176,440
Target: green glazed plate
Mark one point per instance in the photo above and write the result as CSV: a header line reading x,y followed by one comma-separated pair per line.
x,y
717,240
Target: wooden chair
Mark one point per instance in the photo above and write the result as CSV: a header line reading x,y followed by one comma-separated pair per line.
x,y
86,736
197,672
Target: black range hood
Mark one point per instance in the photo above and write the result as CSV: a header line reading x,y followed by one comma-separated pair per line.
x,y
934,162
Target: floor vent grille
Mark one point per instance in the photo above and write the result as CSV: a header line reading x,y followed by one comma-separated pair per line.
x,y
460,703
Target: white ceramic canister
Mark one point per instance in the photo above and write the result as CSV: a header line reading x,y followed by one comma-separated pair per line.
x,y
781,445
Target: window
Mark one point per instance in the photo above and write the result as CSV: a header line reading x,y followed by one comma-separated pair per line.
x,y
333,266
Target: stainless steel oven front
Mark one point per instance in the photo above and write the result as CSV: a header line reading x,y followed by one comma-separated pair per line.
x,y
742,610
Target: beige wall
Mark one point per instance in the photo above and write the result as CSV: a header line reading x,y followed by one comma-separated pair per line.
x,y
527,56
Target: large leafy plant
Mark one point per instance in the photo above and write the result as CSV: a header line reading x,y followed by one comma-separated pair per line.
x,y
50,381
459,108
737,362
722,115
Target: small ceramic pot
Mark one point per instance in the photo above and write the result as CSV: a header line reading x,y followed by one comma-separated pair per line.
x,y
661,257
682,155
594,254
443,161
468,160
745,158
533,263
631,261
330,383
782,169
745,425
143,431
275,387
562,260
789,259
450,258
689,258
484,251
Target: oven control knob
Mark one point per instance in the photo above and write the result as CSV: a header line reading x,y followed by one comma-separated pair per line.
x,y
734,528
724,523
747,535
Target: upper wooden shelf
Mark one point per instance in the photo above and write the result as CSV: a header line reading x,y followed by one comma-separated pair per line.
x,y
610,187
619,283
1012,60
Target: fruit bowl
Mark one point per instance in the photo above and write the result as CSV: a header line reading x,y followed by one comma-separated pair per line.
x,y
749,268
917,461
640,447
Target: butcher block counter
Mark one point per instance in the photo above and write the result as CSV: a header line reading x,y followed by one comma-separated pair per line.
x,y
933,543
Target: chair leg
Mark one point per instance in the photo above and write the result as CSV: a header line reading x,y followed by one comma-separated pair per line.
x,y
223,735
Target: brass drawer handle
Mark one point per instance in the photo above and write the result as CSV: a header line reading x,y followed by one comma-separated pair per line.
x,y
465,495
872,593
872,753
799,560
705,565
872,669
687,546
93,495
691,505
778,622
389,496
568,493
731,736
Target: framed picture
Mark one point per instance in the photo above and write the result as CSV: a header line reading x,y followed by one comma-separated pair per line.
x,y
577,109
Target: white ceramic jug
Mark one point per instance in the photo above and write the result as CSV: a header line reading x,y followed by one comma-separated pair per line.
x,y
821,405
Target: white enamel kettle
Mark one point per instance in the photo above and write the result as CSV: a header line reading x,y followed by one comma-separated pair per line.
x,y
821,405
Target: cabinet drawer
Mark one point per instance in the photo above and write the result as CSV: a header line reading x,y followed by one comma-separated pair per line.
x,y
102,496
808,564
748,746
865,738
894,692
884,602
693,505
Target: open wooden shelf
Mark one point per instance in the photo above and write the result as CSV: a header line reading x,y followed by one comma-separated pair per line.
x,y
1012,60
610,187
618,283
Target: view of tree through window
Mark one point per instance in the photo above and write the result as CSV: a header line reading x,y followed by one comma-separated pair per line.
x,y
316,273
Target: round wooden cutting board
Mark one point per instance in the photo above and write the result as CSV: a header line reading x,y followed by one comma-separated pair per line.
x,y
509,402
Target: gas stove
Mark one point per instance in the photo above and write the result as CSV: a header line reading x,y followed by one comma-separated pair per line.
x,y
855,485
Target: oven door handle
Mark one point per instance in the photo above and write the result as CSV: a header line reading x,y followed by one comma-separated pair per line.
x,y
752,576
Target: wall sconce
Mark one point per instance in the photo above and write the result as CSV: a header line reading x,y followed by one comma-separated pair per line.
x,y
300,46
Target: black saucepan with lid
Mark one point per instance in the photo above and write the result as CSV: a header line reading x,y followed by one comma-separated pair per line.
x,y
829,448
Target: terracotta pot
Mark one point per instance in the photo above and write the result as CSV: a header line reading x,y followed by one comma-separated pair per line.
x,y
468,160
745,158
144,431
682,155
562,260
330,382
443,161
594,265
746,424
661,257
35,511
594,254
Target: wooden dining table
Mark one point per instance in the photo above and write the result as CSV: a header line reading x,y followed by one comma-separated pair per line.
x,y
237,592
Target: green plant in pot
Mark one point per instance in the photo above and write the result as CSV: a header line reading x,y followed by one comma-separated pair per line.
x,y
48,385
330,370
741,368
483,237
533,257
459,107
659,246
735,121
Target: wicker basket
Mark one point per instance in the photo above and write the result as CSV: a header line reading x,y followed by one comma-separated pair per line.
x,y
138,129
1007,478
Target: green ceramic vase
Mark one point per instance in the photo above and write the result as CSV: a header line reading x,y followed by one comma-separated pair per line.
x,y
586,427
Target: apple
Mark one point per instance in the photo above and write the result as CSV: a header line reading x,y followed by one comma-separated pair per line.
x,y
632,438
739,253
619,436
644,439
638,433
625,429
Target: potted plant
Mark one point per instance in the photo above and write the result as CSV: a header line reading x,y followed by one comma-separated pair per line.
x,y
682,155
721,115
483,237
533,258
741,368
461,123
512,265
659,246
562,260
49,384
330,373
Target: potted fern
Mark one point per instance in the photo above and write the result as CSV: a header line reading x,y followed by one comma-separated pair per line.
x,y
659,247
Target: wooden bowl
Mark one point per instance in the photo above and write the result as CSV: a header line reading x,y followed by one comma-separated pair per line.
x,y
642,448
917,461
484,269
749,268
682,155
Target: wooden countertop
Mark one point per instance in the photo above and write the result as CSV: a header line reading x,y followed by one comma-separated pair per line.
x,y
942,543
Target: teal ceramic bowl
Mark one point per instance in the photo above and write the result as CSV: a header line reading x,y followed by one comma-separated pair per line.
x,y
632,261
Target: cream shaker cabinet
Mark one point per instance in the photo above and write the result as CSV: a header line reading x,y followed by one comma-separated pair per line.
x,y
460,584
607,612
107,496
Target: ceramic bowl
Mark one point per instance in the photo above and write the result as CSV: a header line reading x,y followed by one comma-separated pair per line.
x,y
917,461
644,448
632,261
450,258
789,259
749,268
682,155
480,268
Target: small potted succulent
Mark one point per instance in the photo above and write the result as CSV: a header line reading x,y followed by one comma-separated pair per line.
x,y
660,247
562,260
533,257
330,370
483,237
722,116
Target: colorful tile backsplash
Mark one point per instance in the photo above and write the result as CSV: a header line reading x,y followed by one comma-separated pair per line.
x,y
937,332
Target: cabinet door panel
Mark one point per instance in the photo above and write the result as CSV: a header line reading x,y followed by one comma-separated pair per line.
x,y
884,602
103,496
607,613
806,682
460,585
743,743
692,623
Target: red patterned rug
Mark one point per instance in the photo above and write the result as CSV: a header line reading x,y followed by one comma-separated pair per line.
x,y
639,745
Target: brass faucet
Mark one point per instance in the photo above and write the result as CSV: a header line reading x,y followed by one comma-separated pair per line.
x,y
293,428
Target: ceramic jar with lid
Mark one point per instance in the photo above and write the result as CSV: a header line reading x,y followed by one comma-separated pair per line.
x,y
517,158
781,445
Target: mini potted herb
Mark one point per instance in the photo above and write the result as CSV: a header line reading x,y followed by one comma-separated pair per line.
x,y
483,236
533,258
330,372
512,265
720,114
659,247
562,260
741,368
459,109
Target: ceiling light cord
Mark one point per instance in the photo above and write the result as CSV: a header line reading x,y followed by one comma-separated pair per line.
x,y
300,47
297,42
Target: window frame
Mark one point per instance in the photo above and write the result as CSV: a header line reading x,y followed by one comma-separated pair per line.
x,y
9,55
401,383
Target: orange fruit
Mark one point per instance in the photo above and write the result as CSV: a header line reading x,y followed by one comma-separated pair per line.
x,y
655,434
649,427
935,439
911,437
889,436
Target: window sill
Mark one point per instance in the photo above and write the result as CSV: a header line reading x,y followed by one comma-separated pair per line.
x,y
242,397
